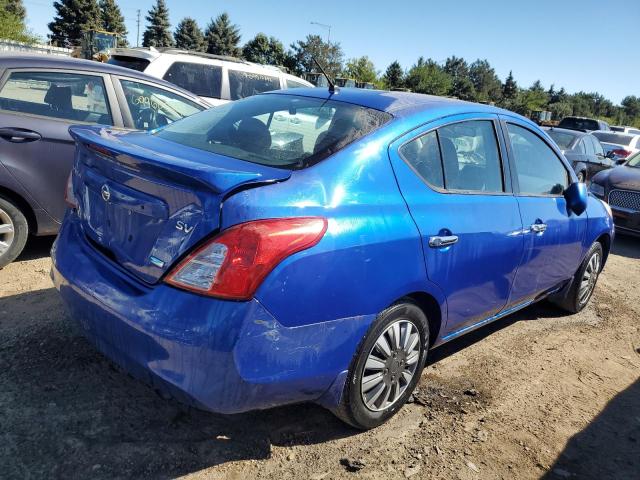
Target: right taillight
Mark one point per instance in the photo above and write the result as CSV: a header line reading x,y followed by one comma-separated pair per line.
x,y
620,152
233,264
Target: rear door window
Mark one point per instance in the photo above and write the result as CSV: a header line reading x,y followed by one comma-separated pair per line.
x,y
245,84
462,156
590,150
597,146
198,78
423,156
470,157
152,107
70,96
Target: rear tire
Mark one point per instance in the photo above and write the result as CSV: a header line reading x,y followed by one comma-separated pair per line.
x,y
14,231
386,367
583,283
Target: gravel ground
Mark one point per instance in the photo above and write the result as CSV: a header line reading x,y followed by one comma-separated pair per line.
x,y
536,395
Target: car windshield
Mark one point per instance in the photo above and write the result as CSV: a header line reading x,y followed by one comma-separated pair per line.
x,y
617,138
563,139
634,161
283,131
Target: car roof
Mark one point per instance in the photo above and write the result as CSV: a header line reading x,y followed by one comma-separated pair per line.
x,y
26,60
398,104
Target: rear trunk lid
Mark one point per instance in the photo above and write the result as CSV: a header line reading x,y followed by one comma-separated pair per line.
x,y
144,201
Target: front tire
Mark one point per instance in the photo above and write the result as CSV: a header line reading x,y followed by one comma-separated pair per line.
x,y
13,232
386,367
583,282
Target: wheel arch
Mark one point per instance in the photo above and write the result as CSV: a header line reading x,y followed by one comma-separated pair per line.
x,y
432,310
23,205
605,241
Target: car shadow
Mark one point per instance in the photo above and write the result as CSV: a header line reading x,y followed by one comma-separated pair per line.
x,y
534,312
36,247
67,411
609,447
626,246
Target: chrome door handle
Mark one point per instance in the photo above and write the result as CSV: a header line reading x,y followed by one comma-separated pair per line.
x,y
19,135
442,241
538,227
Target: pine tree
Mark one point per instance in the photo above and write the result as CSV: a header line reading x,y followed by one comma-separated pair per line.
x,y
394,76
223,37
510,87
188,35
113,21
157,33
72,18
461,86
16,7
264,50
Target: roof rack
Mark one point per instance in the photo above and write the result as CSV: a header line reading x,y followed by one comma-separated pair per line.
x,y
201,54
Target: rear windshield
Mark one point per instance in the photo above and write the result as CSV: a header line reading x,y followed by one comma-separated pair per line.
x,y
579,124
617,138
134,63
563,139
283,131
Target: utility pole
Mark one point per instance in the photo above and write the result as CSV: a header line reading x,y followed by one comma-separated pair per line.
x,y
328,27
138,34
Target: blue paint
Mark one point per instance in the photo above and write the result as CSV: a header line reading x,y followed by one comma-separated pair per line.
x,y
294,341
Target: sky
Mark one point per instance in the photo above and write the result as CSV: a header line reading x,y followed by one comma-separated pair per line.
x,y
587,45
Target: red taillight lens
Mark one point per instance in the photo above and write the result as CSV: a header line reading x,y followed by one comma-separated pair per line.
x,y
69,197
233,264
621,153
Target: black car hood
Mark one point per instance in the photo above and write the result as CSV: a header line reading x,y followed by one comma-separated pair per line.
x,y
626,178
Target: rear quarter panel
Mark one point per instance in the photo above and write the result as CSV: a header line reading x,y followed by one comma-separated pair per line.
x,y
371,254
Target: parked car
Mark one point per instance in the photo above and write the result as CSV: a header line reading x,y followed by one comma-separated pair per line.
x,y
620,129
583,123
620,187
217,79
40,97
618,146
583,151
241,266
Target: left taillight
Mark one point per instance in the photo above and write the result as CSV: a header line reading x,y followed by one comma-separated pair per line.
x,y
233,264
70,197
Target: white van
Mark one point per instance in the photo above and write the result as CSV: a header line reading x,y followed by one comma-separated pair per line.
x,y
215,78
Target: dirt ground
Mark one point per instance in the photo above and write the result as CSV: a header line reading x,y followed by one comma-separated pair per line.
x,y
538,395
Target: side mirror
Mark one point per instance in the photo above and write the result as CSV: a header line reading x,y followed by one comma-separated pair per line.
x,y
576,197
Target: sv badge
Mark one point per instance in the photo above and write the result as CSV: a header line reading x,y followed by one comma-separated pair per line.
x,y
184,227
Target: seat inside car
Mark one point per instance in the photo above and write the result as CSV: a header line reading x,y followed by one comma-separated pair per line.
x,y
252,135
59,99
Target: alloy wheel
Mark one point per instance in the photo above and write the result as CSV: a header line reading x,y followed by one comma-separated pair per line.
x,y
7,231
589,278
391,365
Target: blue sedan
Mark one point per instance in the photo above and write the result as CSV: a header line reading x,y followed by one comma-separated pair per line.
x,y
309,245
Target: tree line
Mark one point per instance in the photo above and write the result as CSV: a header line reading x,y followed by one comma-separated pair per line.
x,y
455,77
